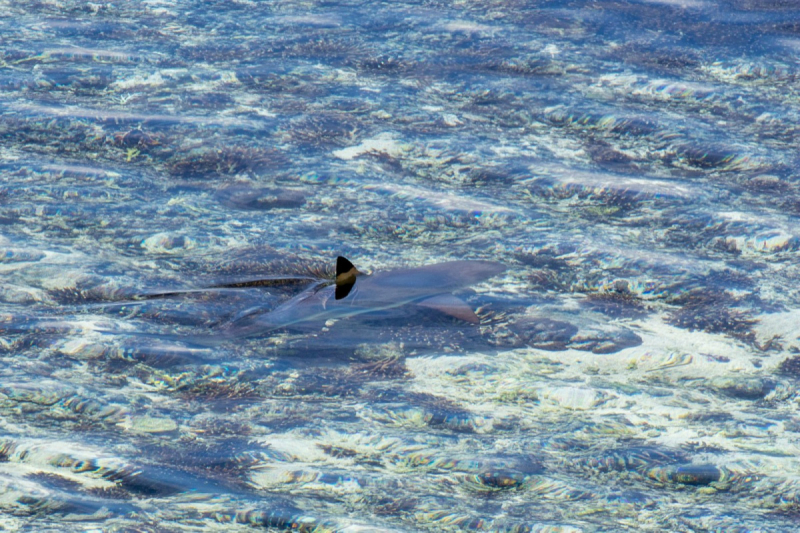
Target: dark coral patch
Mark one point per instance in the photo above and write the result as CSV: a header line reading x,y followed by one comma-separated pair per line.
x,y
250,198
713,312
210,161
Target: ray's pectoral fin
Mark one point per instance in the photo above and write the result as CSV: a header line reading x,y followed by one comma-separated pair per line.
x,y
451,305
346,275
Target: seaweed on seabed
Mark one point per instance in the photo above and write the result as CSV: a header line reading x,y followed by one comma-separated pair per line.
x,y
221,458
212,160
388,506
220,427
389,368
382,64
85,293
216,390
54,481
208,100
114,492
606,156
705,157
620,302
349,381
551,267
616,305
713,312
327,129
335,48
434,411
137,138
59,135
790,366
668,60
83,82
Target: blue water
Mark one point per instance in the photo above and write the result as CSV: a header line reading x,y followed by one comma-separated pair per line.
x,y
174,171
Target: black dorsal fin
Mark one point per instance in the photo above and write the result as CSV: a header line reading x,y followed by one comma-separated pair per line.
x,y
343,266
345,277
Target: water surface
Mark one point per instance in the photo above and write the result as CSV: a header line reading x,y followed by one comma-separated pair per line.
x,y
632,163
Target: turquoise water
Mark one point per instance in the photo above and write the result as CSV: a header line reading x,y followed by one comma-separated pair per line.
x,y
172,172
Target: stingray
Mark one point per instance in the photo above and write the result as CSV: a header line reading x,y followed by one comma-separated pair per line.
x,y
391,295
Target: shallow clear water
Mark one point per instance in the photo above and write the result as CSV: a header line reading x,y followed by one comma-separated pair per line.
x,y
172,172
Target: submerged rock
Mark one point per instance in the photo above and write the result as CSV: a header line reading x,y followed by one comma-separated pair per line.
x,y
743,387
554,335
544,333
605,341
